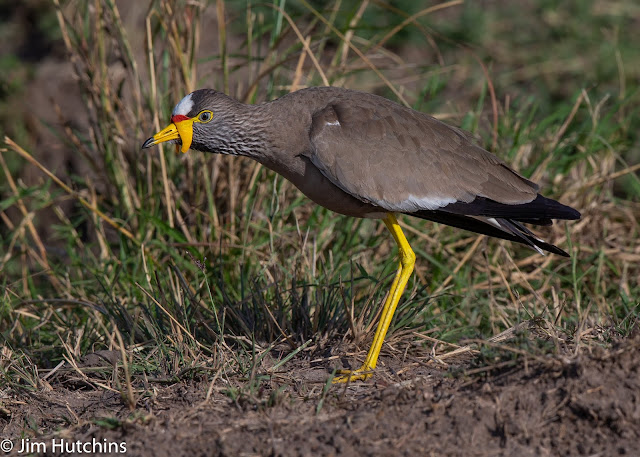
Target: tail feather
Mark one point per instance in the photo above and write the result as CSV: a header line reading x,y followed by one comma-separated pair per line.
x,y
499,224
539,211
528,238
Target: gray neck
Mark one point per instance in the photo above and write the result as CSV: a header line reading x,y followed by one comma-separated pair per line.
x,y
283,130
276,134
245,132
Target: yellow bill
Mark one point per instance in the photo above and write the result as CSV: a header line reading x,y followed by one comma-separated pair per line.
x,y
178,130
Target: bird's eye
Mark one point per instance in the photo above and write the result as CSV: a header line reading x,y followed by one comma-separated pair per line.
x,y
205,116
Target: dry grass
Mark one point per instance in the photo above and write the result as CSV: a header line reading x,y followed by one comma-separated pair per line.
x,y
199,266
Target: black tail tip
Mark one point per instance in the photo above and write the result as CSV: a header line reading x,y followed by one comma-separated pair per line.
x,y
573,214
559,210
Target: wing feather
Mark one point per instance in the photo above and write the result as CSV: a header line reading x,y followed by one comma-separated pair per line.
x,y
404,160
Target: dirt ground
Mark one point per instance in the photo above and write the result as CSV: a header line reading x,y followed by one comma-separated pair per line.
x,y
584,405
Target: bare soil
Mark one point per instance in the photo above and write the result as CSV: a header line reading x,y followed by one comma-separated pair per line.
x,y
524,406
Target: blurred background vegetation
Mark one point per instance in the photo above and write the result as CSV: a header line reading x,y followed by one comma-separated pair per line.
x,y
174,259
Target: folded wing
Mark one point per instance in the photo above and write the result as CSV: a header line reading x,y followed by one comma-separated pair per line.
x,y
405,161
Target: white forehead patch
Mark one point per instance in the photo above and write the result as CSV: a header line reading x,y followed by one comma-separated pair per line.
x,y
184,106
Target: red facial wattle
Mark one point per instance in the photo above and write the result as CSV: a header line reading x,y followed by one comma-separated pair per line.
x,y
178,117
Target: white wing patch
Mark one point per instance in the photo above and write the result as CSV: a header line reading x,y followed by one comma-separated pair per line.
x,y
336,122
414,203
184,106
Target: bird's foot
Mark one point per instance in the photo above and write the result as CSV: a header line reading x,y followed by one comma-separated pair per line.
x,y
361,374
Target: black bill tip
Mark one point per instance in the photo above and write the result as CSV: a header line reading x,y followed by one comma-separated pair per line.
x,y
147,144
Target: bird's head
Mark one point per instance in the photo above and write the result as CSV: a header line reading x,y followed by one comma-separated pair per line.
x,y
203,120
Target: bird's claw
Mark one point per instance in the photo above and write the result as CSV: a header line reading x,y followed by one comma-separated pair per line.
x,y
361,374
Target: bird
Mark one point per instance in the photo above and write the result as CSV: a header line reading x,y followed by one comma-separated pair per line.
x,y
363,155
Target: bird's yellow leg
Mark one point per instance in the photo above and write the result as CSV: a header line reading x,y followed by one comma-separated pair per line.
x,y
407,261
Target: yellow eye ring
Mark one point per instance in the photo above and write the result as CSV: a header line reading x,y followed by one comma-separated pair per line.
x,y
204,116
